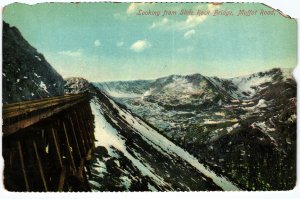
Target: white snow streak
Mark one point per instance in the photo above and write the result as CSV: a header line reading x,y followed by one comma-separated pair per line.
x,y
107,136
43,86
156,138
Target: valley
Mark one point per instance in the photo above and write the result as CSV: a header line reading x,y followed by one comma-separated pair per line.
x,y
237,126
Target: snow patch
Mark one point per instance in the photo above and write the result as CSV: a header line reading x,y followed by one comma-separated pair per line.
x,y
229,129
36,75
43,86
108,136
261,103
126,182
293,118
38,58
156,138
152,188
249,84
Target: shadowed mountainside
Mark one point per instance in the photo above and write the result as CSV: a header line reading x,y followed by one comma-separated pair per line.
x,y
26,74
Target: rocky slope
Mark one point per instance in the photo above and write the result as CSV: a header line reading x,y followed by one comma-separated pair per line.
x,y
75,85
127,89
26,74
132,156
229,122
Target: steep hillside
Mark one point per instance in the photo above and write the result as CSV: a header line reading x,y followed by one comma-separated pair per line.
x,y
132,156
26,74
227,122
124,88
191,92
250,85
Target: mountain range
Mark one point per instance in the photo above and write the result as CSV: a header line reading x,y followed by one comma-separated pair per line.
x,y
224,122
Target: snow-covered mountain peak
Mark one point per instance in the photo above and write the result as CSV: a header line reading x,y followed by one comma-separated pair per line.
x,y
249,85
287,73
125,89
195,89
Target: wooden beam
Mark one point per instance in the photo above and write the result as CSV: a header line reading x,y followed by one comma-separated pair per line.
x,y
85,131
57,151
81,133
75,137
69,152
62,178
12,128
23,165
80,169
17,111
40,166
89,155
27,103
89,130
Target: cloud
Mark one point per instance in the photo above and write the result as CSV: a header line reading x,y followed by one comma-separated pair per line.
x,y
120,44
76,53
161,23
193,20
140,46
190,22
97,43
133,7
186,49
189,34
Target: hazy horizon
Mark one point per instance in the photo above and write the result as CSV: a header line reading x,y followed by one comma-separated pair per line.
x,y
153,79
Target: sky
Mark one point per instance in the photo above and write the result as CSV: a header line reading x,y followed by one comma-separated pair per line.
x,y
111,41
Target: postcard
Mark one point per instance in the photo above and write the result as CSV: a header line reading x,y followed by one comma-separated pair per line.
x,y
106,97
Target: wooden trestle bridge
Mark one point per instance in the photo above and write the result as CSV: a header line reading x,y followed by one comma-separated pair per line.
x,y
47,144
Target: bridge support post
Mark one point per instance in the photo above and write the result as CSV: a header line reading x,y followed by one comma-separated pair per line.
x,y
23,165
41,171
